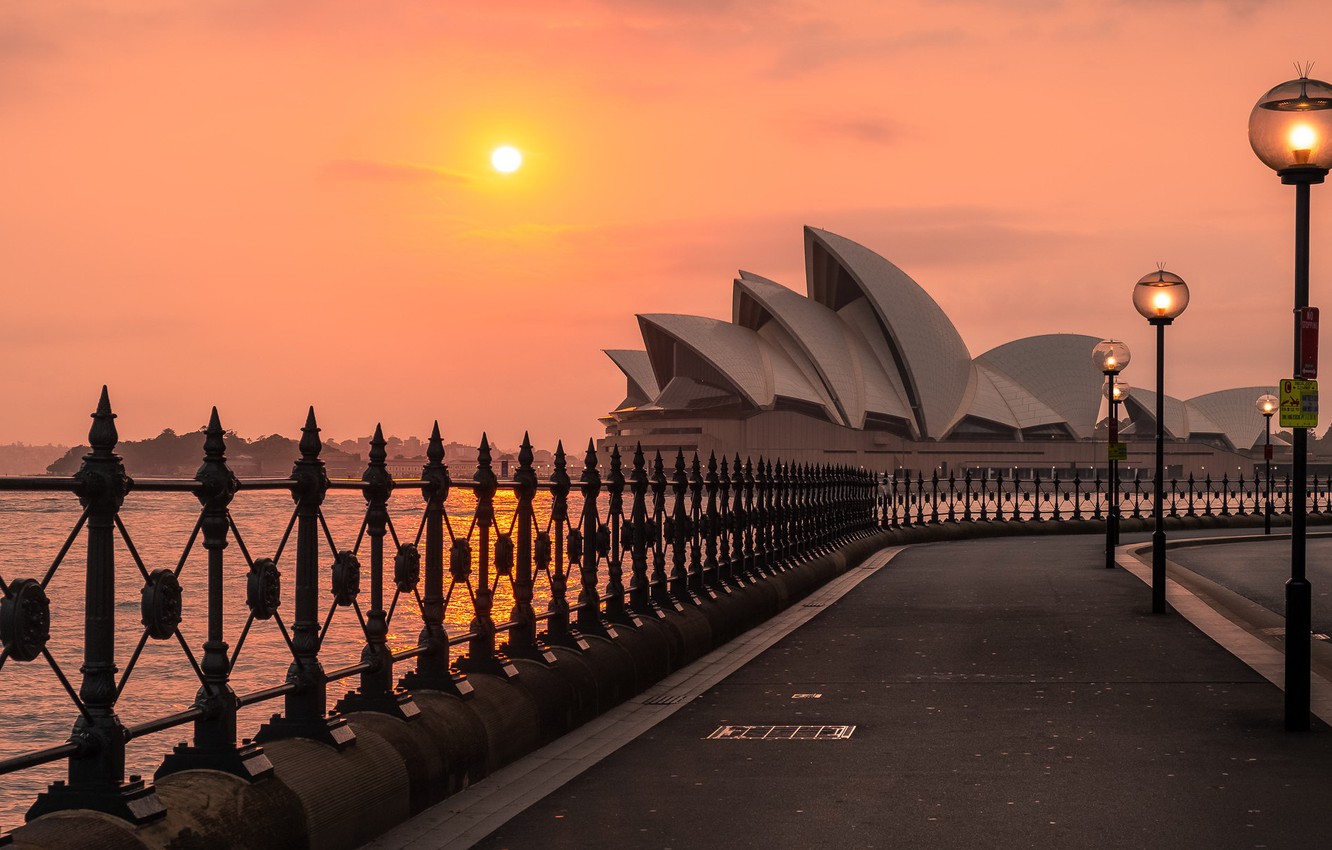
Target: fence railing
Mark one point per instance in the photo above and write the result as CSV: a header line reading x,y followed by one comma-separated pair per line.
x,y
465,561
906,501
686,532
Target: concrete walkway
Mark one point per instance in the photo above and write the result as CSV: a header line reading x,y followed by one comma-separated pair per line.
x,y
996,693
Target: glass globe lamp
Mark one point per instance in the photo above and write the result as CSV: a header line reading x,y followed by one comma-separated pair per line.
x,y
1110,356
1290,127
1266,404
1161,296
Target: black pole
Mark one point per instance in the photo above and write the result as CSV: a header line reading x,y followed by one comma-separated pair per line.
x,y
1267,475
1112,505
1298,592
1158,536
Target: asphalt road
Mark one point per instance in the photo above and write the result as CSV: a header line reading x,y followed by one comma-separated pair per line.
x,y
1258,571
1007,692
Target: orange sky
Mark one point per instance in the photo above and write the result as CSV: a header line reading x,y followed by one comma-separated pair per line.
x,y
267,205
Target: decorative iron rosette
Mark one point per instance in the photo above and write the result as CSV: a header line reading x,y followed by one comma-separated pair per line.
x,y
542,553
626,537
603,541
407,567
575,546
263,588
503,555
346,578
460,559
25,619
160,604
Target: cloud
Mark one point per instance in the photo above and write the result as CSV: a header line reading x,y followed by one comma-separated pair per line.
x,y
372,171
870,131
822,45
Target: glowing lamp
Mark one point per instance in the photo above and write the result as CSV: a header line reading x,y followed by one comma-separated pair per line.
x,y
1161,296
1118,391
1266,404
1110,356
1291,126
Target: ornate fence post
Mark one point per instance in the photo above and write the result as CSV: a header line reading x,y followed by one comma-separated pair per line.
x,y
215,733
804,538
377,692
762,518
1054,480
97,769
712,529
741,558
558,631
640,588
481,653
522,642
697,532
617,612
306,709
663,527
432,669
786,513
677,529
725,566
752,570
590,621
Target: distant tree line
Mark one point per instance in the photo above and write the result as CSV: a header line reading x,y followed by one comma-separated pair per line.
x,y
172,455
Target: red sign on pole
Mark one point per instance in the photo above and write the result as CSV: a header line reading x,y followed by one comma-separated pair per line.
x,y
1309,343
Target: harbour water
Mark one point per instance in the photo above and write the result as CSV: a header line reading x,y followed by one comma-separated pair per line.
x,y
36,711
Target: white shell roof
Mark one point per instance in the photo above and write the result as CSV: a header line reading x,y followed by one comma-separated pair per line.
x,y
1056,370
1234,413
758,370
845,364
933,360
638,369
1181,418
999,399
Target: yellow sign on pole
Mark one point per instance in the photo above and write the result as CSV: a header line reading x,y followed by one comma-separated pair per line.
x,y
1119,451
1299,403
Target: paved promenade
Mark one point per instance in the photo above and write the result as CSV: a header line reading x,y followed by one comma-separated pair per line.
x,y
1005,692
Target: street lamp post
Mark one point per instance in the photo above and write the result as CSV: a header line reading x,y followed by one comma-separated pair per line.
x,y
1290,129
1160,297
1267,405
1119,393
1111,356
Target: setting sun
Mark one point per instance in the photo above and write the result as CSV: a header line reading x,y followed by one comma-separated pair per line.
x,y
506,159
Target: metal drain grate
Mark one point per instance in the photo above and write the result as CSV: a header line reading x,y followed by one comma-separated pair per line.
x,y
666,699
782,733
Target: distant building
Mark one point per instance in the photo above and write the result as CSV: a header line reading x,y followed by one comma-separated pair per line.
x,y
867,370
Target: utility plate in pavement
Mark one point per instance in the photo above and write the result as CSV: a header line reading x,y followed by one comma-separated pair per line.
x,y
782,733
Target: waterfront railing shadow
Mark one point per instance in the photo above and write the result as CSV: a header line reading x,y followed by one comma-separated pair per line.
x,y
409,585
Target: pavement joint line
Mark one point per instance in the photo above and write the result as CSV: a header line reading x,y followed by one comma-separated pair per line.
x,y
1262,658
467,817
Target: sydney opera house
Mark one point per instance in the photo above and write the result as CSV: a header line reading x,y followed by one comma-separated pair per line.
x,y
866,369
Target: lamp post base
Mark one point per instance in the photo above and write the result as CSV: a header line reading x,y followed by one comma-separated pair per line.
x,y
1298,652
1158,572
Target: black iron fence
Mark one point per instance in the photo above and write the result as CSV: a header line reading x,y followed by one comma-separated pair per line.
x,y
644,537
466,561
906,501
